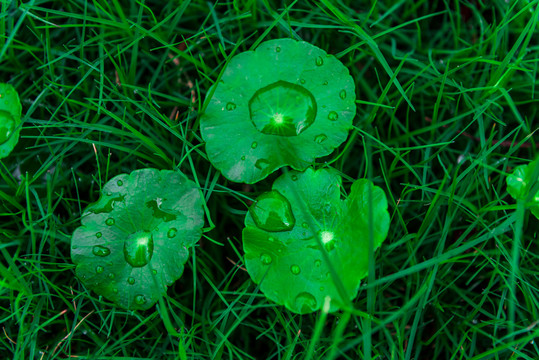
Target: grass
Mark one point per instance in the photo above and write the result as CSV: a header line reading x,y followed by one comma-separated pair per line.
x,y
447,107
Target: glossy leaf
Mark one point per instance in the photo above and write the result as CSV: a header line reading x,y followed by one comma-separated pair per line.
x,y
523,184
285,103
288,263
135,240
10,119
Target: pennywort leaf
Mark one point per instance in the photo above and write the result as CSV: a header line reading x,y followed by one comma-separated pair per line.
x,y
285,103
523,184
135,240
288,228
10,119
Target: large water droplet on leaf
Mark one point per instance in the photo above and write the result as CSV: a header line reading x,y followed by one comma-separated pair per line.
x,y
305,302
282,108
109,221
7,126
272,212
100,251
138,248
319,61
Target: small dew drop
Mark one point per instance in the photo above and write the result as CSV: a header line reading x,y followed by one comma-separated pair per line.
x,y
154,272
342,94
99,269
231,106
320,138
111,276
294,177
119,182
100,251
172,232
265,259
333,116
109,193
243,158
318,263
278,49
109,221
115,290
254,145
140,299
271,239
325,83
305,225
131,280
319,61
302,81
295,269
322,288
98,235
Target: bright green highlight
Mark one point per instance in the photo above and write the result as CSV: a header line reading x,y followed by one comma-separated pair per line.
x,y
293,264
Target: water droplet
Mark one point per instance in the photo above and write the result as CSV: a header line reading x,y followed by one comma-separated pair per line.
x,y
243,158
98,235
305,302
131,280
318,263
100,251
172,232
154,272
294,177
302,81
254,145
295,269
99,269
7,126
262,164
231,106
119,182
109,221
322,288
342,94
111,276
109,193
325,83
138,248
305,225
265,259
115,290
272,212
283,109
320,138
330,245
333,116
319,61
140,299
271,239
278,49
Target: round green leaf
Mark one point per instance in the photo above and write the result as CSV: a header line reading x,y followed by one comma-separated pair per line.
x,y
134,240
522,183
288,229
10,119
285,103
